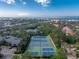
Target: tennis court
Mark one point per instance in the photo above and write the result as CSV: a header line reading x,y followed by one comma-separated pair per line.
x,y
41,46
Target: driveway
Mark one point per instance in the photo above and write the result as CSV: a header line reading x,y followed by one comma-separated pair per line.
x,y
8,53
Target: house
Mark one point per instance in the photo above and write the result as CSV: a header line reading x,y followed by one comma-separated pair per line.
x,y
1,39
68,31
13,41
32,30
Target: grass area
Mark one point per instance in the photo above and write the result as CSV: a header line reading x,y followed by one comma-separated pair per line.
x,y
59,55
16,57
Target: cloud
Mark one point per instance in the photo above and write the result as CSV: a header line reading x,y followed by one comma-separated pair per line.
x,y
24,3
8,1
43,2
13,13
23,14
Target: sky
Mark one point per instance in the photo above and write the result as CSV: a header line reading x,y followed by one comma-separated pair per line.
x,y
39,8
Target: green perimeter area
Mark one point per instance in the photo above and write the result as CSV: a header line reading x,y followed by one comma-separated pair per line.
x,y
42,41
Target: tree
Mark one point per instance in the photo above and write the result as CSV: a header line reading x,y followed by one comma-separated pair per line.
x,y
70,40
16,57
1,55
60,55
57,36
77,54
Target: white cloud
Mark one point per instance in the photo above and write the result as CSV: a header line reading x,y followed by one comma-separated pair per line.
x,y
8,1
23,14
43,2
24,3
12,13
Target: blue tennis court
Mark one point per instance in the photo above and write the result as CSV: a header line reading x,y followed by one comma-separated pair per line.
x,y
41,46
